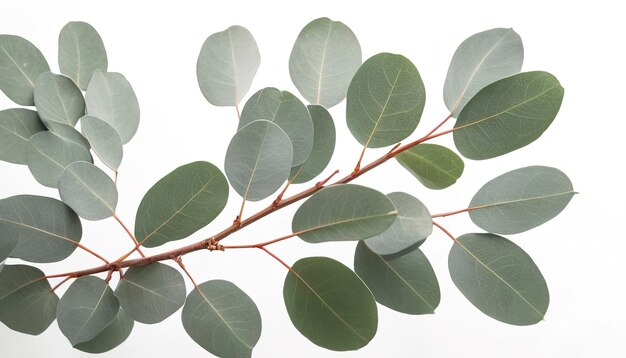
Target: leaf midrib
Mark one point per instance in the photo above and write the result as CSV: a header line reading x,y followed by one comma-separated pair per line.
x,y
521,200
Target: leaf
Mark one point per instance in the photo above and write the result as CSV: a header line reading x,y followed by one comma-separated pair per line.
x,y
323,61
226,66
86,309
112,336
151,293
69,134
329,304
481,59
8,240
20,65
88,191
258,160
181,203
49,154
435,166
322,150
285,110
343,212
58,99
17,125
81,52
222,319
385,100
26,303
499,278
411,227
404,282
48,230
111,98
521,199
104,140
507,115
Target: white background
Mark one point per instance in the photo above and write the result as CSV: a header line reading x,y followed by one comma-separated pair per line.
x,y
581,252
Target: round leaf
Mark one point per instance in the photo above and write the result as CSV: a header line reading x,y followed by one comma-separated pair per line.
x,y
20,65
112,336
8,240
435,166
58,99
17,125
104,140
68,133
88,190
81,52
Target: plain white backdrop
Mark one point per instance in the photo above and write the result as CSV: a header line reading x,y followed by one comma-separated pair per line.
x,y
580,253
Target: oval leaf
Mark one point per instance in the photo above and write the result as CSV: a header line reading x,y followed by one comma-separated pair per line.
x,y
88,191
81,52
8,240
226,66
258,160
521,199
104,140
58,99
20,65
17,125
323,61
329,304
385,100
69,134
112,336
499,278
507,115
435,166
181,203
222,319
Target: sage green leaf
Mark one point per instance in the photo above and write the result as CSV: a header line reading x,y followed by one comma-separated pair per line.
x,y
8,241
521,199
226,66
285,110
111,98
329,304
112,336
88,191
322,150
507,115
404,282
258,160
58,99
481,59
86,309
435,166
181,203
411,227
81,52
68,133
323,61
48,230
26,303
151,293
104,140
20,65
343,212
17,125
222,319
385,100
499,278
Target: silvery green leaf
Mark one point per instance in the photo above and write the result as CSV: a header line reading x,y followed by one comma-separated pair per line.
x,y
58,99
17,125
112,336
20,65
104,140
81,52
88,191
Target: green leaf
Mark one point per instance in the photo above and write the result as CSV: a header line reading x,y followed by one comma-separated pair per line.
x,y
404,282
258,160
81,52
69,134
181,203
222,319
111,98
481,59
435,166
385,100
112,336
20,65
104,140
285,110
151,293
411,227
86,309
322,150
48,230
26,303
499,278
17,125
507,115
343,212
323,61
521,199
58,99
88,191
329,304
8,240
226,66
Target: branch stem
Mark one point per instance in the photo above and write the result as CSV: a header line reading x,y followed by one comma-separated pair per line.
x,y
445,231
275,257
130,234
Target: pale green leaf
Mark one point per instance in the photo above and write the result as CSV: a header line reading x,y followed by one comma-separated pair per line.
x,y
435,166
112,336
58,99
20,65
17,125
104,140
68,133
88,191
81,52
8,240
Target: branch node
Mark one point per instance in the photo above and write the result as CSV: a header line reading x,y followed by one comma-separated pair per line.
x,y
391,153
323,182
213,245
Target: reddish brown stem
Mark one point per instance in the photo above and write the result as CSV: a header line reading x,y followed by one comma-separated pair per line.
x,y
81,246
237,110
282,193
60,283
262,244
275,257
443,215
439,125
357,168
180,263
445,231
131,236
